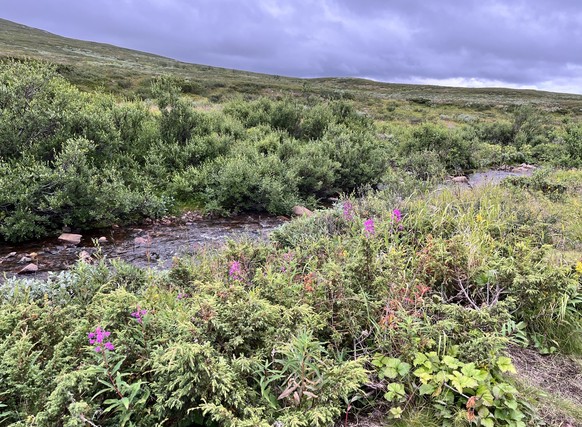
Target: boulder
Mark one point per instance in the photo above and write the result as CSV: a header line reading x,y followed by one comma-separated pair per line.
x,y
71,238
28,269
301,211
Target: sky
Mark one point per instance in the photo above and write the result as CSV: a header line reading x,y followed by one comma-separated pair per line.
x,y
476,43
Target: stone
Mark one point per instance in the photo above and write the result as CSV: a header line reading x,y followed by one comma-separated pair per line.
x,y
24,260
102,239
28,269
301,211
141,241
460,179
74,239
85,257
10,255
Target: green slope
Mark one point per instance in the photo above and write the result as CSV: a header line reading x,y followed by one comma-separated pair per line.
x,y
96,65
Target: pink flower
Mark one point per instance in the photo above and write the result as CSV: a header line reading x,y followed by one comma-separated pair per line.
x,y
97,337
348,211
139,314
396,216
369,227
235,271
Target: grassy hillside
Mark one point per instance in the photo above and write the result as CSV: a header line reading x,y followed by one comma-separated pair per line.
x,y
96,65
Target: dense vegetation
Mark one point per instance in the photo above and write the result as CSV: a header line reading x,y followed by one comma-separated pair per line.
x,y
87,160
408,299
402,304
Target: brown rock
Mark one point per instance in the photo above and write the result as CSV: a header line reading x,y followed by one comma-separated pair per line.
x,y
141,240
85,257
30,268
460,179
74,239
301,211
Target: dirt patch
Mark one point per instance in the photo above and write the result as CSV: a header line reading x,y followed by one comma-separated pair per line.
x,y
559,377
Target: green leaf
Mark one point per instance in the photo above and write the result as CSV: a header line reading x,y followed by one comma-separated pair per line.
x,y
488,422
505,365
511,404
395,392
426,389
125,402
396,412
395,367
451,362
424,374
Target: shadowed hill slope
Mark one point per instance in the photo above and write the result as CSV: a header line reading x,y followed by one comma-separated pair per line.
x,y
96,65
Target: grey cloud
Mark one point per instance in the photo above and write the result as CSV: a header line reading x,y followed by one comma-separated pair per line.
x,y
515,43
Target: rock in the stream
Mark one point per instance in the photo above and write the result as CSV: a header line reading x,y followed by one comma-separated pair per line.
x,y
102,239
142,240
30,268
24,260
74,239
85,257
10,255
460,179
301,211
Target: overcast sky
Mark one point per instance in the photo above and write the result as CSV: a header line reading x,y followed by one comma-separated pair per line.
x,y
511,43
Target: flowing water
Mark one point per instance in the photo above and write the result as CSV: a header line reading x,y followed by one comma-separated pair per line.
x,y
151,245
155,245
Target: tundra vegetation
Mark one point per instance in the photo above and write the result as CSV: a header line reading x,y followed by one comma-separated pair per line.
x,y
405,298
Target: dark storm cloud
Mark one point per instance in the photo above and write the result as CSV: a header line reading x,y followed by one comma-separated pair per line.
x,y
462,42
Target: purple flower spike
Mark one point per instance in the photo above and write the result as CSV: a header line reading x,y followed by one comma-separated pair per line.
x,y
369,227
97,337
396,215
139,314
182,295
348,210
235,270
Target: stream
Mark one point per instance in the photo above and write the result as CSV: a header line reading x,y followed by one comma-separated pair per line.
x,y
151,245
156,244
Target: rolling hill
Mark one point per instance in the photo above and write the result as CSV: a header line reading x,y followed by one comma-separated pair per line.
x,y
93,65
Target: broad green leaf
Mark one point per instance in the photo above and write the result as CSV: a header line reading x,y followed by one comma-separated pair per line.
x,y
396,412
426,389
505,365
488,422
451,362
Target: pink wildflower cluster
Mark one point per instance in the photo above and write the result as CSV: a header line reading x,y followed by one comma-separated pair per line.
x,y
97,337
369,227
396,216
139,314
348,211
182,295
235,271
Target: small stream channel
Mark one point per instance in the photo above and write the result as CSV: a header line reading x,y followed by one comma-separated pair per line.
x,y
144,245
156,244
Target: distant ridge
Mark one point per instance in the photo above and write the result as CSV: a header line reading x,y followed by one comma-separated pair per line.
x,y
93,65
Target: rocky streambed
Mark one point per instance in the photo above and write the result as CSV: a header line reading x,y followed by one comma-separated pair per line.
x,y
153,244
